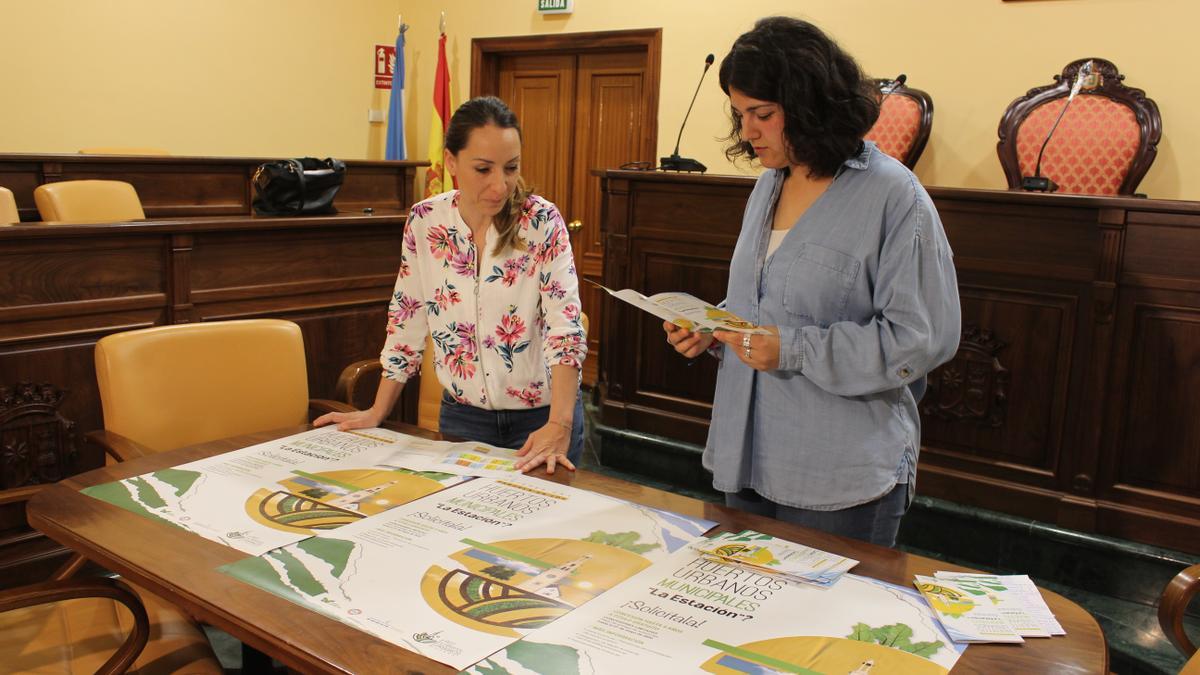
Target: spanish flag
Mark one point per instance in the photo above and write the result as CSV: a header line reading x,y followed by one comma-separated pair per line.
x,y
437,178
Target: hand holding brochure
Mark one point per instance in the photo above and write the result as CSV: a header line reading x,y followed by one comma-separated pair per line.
x,y
765,553
686,311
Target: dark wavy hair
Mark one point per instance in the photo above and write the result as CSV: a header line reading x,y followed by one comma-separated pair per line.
x,y
828,104
471,115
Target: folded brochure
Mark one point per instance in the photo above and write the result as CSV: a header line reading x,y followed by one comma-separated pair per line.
x,y
965,616
686,311
766,553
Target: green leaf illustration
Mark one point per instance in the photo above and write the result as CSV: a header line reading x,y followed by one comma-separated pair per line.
x,y
625,540
897,636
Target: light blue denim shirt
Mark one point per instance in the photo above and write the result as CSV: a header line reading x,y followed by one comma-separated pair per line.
x,y
864,294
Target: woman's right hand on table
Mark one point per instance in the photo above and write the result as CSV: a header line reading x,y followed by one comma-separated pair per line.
x,y
359,419
686,342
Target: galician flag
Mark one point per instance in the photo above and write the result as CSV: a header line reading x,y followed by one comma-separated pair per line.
x,y
437,178
396,147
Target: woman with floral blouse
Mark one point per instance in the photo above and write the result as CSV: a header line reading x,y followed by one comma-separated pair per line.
x,y
487,272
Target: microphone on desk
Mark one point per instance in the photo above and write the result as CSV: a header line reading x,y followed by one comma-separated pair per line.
x,y
675,162
1037,182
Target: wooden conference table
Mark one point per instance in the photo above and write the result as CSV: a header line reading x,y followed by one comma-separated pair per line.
x,y
182,568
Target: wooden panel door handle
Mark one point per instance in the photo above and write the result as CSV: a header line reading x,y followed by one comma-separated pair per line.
x,y
574,226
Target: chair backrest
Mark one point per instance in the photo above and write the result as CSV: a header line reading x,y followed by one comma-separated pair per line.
x,y
905,120
172,386
1173,606
1104,144
88,201
8,207
123,150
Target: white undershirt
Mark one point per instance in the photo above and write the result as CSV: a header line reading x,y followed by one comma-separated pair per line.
x,y
776,239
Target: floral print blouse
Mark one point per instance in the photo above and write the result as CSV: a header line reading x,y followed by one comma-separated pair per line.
x,y
498,322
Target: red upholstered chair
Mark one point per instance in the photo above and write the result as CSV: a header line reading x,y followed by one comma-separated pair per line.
x,y
1104,145
905,119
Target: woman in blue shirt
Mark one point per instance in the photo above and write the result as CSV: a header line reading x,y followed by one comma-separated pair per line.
x,y
842,257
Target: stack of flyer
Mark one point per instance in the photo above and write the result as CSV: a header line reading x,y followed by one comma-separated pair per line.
x,y
765,553
988,607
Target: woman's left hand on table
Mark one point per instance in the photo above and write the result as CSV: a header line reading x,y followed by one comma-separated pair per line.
x,y
548,446
760,352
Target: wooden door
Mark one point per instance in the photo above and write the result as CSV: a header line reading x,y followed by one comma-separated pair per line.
x,y
585,102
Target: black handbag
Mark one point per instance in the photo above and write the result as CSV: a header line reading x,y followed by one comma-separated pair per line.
x,y
293,187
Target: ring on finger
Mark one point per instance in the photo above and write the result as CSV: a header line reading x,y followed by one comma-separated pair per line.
x,y
746,341
747,352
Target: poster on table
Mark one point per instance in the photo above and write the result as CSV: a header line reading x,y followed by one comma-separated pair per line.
x,y
466,571
282,491
689,613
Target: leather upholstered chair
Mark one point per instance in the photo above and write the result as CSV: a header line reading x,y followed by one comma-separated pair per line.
x,y
88,201
8,207
172,386
358,381
905,120
1104,144
1171,609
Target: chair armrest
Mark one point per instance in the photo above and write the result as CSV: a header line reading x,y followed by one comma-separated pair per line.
x,y
351,374
56,591
320,406
1172,605
117,446
20,494
74,562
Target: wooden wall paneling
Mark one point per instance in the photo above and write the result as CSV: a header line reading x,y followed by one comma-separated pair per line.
x,y
998,408
1161,438
540,89
610,128
172,191
614,226
228,265
22,177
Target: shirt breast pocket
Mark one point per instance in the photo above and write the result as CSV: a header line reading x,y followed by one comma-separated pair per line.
x,y
818,284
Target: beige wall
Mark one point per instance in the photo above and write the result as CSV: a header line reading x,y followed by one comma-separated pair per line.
x,y
252,77
196,77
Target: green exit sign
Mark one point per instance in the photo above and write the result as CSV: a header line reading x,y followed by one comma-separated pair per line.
x,y
555,6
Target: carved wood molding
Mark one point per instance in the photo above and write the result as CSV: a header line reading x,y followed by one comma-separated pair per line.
x,y
37,444
973,386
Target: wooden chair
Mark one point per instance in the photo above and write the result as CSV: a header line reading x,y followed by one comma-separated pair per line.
x,y
358,381
76,626
905,120
1104,145
88,201
1171,609
69,624
124,150
172,386
8,207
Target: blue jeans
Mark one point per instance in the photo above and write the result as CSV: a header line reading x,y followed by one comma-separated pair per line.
x,y
505,428
876,521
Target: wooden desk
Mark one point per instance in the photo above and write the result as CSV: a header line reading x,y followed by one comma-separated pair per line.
x,y
174,186
1071,398
181,567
